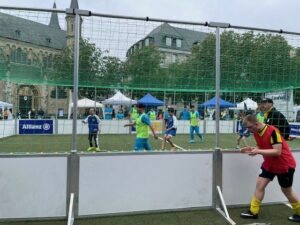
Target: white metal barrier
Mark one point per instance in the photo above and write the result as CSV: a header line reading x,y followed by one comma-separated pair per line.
x,y
7,128
144,182
240,172
33,187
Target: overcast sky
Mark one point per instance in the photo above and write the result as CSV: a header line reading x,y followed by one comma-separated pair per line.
x,y
272,14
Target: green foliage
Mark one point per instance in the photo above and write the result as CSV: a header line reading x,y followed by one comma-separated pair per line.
x,y
143,68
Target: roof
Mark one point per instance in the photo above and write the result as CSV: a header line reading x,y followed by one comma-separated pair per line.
x,y
54,19
148,99
74,4
21,29
188,37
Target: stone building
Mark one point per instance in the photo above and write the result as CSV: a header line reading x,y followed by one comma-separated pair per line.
x,y
174,43
27,43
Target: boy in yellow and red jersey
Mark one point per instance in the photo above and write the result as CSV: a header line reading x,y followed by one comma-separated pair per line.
x,y
278,161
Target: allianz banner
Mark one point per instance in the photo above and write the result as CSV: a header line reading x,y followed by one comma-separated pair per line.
x,y
295,130
35,126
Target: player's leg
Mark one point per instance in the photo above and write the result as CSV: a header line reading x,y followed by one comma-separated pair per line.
x,y
262,181
286,182
96,140
169,140
192,128
163,144
90,137
147,145
138,144
197,130
238,140
244,139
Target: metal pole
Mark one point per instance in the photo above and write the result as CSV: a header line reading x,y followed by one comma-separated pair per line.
x,y
75,82
217,156
218,88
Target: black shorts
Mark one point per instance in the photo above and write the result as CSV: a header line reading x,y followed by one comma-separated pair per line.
x,y
285,180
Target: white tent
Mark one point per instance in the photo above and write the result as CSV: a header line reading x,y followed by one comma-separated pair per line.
x,y
249,103
4,105
119,99
85,103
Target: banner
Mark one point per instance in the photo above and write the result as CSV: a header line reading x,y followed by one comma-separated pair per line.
x,y
295,130
35,126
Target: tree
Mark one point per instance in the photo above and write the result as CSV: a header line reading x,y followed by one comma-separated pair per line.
x,y
143,68
249,62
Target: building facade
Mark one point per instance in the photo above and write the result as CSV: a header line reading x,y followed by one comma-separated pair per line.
x,y
174,43
25,43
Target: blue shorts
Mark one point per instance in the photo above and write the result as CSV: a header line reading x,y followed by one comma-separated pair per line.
x,y
141,144
171,132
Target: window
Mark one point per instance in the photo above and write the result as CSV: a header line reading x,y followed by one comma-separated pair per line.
x,y
168,41
178,43
13,54
50,61
19,55
140,44
173,58
147,42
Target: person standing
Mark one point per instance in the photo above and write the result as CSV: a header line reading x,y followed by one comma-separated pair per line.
x,y
275,118
142,124
152,114
278,161
194,124
171,129
93,122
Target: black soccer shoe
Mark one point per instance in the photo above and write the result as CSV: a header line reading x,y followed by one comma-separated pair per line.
x,y
295,218
249,215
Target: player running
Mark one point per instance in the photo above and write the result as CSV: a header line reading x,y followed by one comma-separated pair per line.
x,y
278,161
142,124
171,128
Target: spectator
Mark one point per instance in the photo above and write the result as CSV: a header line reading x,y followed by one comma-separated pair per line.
x,y
120,115
152,114
275,118
185,114
41,113
108,113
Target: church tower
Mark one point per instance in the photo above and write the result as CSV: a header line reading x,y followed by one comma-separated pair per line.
x,y
70,19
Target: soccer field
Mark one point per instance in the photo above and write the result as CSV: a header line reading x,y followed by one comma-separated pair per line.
x,y
108,142
112,142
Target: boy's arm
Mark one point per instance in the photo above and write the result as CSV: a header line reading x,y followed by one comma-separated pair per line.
x,y
129,124
85,120
153,132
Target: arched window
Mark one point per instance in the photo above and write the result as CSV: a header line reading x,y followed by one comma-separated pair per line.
x,y
24,57
50,61
13,53
19,55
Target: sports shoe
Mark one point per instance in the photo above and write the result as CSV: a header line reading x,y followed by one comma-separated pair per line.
x,y
294,218
90,149
97,149
192,141
249,215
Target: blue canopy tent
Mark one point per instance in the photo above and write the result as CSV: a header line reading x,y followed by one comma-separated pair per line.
x,y
149,100
212,103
